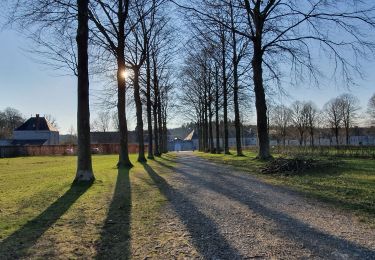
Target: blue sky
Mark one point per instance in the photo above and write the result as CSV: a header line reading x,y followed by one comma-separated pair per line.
x,y
34,88
31,87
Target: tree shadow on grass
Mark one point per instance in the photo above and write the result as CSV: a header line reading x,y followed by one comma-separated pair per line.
x,y
115,236
17,244
206,236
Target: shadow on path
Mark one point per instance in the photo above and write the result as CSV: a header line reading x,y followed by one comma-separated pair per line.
x,y
115,236
206,236
288,227
251,180
16,245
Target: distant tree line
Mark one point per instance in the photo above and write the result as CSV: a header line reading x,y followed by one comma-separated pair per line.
x,y
305,121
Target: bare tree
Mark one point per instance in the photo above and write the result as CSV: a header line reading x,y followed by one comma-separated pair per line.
x,y
300,119
284,34
51,120
103,121
312,120
237,55
334,117
137,45
115,123
223,47
50,24
84,168
112,27
10,119
350,107
371,109
281,119
162,51
72,135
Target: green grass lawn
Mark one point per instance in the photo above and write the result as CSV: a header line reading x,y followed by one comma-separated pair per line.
x,y
43,216
349,184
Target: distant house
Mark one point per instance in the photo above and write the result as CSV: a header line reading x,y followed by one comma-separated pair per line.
x,y
35,131
186,144
193,137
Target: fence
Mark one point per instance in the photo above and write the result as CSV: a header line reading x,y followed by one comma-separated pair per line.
x,y
332,151
48,150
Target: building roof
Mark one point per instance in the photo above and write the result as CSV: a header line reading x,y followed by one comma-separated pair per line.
x,y
36,123
191,136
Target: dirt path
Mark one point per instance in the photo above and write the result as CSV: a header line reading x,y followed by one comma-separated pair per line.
x,y
227,214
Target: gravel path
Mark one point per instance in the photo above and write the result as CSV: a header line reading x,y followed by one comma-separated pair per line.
x,y
231,215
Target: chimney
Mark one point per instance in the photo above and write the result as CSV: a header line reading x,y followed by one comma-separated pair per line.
x,y
37,122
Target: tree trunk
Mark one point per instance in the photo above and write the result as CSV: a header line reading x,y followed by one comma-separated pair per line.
x,y
347,129
206,126
84,164
300,138
199,134
155,108
201,129
260,102
337,135
225,94
124,161
156,131
165,130
160,122
149,109
237,123
217,112
211,132
139,114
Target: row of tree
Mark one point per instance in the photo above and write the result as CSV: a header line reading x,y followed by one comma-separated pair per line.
x,y
240,49
124,40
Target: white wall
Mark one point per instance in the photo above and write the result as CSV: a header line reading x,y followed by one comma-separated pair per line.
x,y
52,137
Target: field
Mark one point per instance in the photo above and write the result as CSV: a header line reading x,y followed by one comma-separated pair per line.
x,y
43,216
348,184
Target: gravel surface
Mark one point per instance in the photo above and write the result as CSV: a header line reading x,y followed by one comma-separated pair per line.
x,y
227,214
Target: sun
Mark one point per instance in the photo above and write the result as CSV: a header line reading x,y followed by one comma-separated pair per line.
x,y
125,74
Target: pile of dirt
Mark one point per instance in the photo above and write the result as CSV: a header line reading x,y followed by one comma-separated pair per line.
x,y
291,165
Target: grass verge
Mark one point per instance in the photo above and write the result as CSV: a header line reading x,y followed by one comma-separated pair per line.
x,y
349,184
43,216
